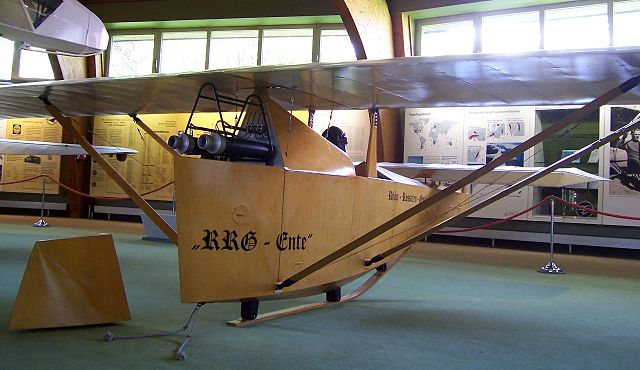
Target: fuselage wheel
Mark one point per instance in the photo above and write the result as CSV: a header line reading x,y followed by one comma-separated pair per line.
x,y
334,295
249,310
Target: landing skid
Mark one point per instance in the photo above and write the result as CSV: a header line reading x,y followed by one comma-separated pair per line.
x,y
368,284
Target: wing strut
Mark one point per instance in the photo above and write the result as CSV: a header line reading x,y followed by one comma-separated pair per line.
x,y
501,194
541,136
372,148
131,192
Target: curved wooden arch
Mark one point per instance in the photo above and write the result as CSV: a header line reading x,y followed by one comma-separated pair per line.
x,y
369,26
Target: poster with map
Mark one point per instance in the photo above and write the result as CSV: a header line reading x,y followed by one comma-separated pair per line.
x,y
493,131
434,135
472,136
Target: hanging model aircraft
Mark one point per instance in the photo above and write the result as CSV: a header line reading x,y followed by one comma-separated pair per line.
x,y
503,175
60,26
272,210
9,146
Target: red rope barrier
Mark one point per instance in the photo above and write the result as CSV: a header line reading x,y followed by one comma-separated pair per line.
x,y
575,205
485,226
19,181
595,210
498,222
72,190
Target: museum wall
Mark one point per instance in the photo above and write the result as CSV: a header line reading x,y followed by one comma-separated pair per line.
x,y
474,136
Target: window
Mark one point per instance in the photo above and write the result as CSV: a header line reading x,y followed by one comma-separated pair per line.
x,y
626,17
34,64
131,55
183,51
511,33
287,46
335,46
139,53
237,48
576,27
6,62
447,38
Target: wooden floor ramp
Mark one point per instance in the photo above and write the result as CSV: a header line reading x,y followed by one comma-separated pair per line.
x,y
71,282
368,284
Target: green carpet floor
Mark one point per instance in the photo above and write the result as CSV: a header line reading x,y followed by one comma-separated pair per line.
x,y
428,313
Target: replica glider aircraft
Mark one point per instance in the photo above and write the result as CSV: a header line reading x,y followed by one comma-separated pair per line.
x,y
59,26
270,209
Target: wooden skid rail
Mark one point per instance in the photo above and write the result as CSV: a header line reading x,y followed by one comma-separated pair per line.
x,y
368,284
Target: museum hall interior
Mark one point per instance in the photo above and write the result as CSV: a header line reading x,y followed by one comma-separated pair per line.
x,y
286,184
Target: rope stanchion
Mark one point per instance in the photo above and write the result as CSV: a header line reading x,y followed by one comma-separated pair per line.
x,y
551,267
41,222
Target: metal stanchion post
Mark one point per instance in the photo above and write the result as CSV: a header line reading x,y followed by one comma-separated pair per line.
x,y
173,203
551,267
41,222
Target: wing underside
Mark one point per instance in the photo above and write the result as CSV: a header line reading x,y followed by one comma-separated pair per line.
x,y
540,78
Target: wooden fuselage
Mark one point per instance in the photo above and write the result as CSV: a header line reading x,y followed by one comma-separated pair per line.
x,y
243,227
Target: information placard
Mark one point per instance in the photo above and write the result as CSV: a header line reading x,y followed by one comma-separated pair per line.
x,y
20,167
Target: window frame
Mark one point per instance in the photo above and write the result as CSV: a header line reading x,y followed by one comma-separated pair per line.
x,y
476,17
15,68
157,35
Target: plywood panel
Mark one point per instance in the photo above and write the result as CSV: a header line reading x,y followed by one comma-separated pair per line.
x,y
373,205
70,282
318,207
434,214
228,217
303,149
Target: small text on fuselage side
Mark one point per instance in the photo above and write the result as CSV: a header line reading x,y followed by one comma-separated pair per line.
x,y
404,197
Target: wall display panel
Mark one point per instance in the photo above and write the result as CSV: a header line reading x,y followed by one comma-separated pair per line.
x,y
505,207
20,167
434,135
485,126
470,136
152,167
354,123
490,132
558,146
622,193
